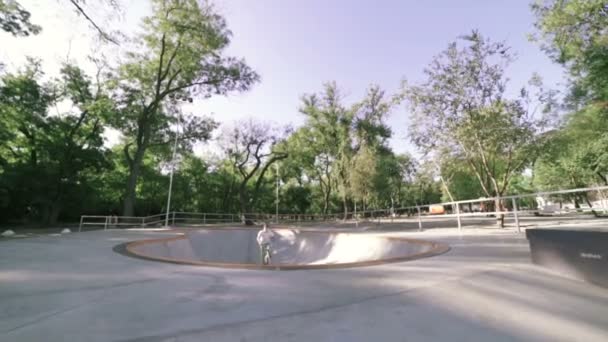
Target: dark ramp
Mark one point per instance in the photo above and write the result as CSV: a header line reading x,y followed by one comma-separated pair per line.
x,y
578,253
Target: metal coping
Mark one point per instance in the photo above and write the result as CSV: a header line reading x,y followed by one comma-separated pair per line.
x,y
437,248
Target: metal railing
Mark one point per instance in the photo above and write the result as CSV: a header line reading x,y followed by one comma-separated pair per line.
x,y
512,206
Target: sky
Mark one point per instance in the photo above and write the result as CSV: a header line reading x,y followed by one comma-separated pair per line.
x,y
296,46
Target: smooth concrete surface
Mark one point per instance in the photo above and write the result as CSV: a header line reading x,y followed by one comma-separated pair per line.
x,y
75,288
289,247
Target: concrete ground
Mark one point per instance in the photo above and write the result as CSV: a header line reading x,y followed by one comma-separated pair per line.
x,y
75,288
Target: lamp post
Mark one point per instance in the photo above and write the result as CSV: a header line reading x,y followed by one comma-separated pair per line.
x,y
277,201
179,120
171,179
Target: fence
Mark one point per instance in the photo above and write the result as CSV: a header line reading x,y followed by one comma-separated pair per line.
x,y
572,201
555,203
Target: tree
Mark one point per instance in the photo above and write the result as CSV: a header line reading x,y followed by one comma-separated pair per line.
x,y
15,20
296,199
252,148
573,33
396,175
80,10
368,176
328,127
463,108
337,140
458,182
50,154
425,189
179,55
369,116
363,175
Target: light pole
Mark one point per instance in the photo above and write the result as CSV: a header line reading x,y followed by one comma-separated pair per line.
x,y
171,181
277,201
171,177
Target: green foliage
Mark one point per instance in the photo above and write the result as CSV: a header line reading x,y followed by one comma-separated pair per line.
x,y
363,174
15,20
573,33
462,110
424,189
475,140
461,182
178,55
46,157
327,132
296,199
252,148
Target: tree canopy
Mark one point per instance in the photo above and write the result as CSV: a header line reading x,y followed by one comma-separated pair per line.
x,y
474,133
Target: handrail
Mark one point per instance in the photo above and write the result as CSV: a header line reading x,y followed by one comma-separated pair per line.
x,y
205,218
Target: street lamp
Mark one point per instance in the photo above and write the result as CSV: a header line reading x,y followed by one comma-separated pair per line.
x,y
174,98
179,120
171,178
277,201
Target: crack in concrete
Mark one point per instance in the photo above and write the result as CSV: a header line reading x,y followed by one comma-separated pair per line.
x,y
72,290
53,314
216,280
448,279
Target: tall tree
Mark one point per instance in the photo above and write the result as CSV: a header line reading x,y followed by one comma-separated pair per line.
x,y
252,148
179,55
573,33
369,119
363,174
367,175
48,155
328,125
463,108
396,174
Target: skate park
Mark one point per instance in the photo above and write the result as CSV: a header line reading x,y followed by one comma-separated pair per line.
x,y
382,278
249,171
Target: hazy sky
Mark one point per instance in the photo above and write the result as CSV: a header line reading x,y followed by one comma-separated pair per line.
x,y
296,46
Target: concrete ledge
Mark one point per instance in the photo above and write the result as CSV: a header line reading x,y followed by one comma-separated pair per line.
x,y
434,248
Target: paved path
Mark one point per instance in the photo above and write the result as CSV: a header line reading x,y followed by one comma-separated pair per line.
x,y
75,288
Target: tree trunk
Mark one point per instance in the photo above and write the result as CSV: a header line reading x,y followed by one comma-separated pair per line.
x,y
56,204
595,213
260,178
50,211
602,177
227,198
134,170
245,207
243,201
326,191
500,218
326,203
54,212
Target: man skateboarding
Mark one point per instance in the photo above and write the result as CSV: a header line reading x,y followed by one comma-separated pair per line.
x,y
265,237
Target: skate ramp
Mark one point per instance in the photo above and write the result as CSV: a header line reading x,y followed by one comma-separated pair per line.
x,y
292,249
